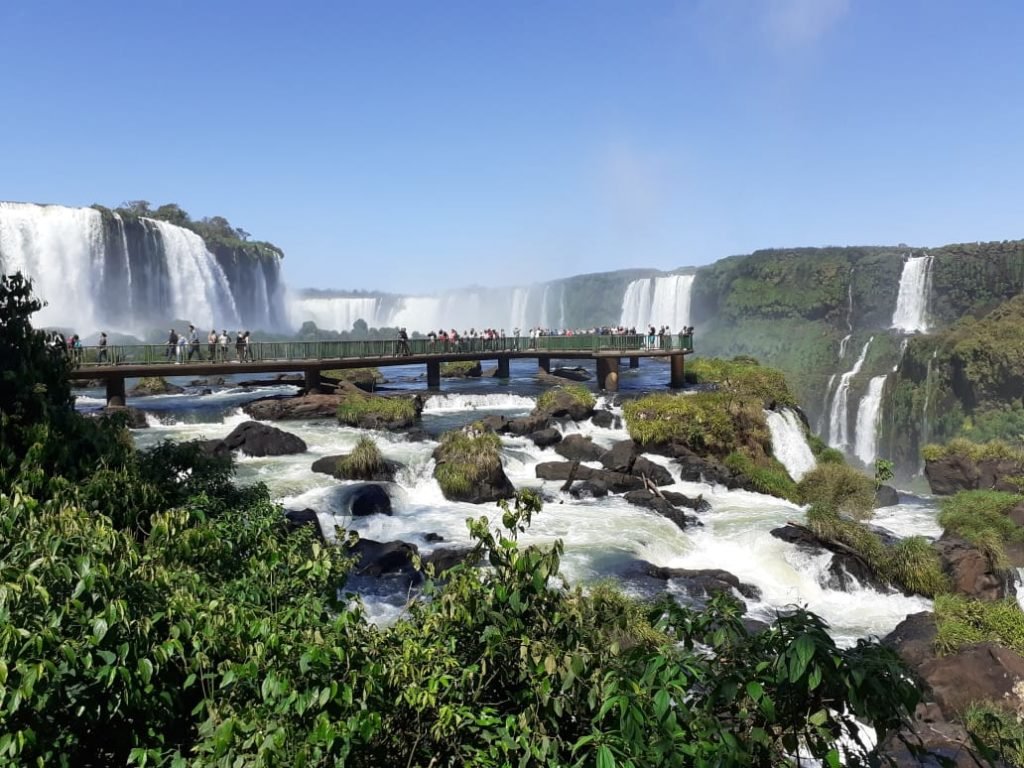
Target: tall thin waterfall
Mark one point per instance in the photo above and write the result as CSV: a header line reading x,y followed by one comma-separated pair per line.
x,y
911,315
657,301
868,413
789,444
838,431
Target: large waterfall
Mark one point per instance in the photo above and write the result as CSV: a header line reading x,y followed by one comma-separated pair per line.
x,y
657,301
97,271
838,429
789,444
911,315
499,308
868,412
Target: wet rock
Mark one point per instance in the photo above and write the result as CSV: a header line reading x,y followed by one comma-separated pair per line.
x,y
615,482
385,559
461,371
446,558
364,499
579,448
133,417
698,504
606,420
286,407
332,465
255,439
845,571
621,456
950,474
656,473
546,437
970,570
664,507
886,496
979,672
564,404
154,385
489,483
704,582
297,518
526,425
914,638
416,435
573,374
432,538
589,489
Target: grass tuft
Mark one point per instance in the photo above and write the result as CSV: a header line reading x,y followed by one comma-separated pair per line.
x,y
840,488
464,458
770,477
354,408
980,517
365,461
579,393
962,621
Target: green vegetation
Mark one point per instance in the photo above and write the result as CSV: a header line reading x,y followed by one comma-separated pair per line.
x,y
364,462
823,453
459,368
981,517
962,621
356,409
743,378
840,488
155,614
702,422
355,375
911,565
465,458
577,392
770,478
994,450
999,728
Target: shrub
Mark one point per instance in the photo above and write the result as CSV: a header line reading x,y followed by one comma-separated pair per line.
x,y
962,621
459,368
840,488
994,450
999,728
365,460
579,393
356,409
744,377
464,458
770,477
360,375
980,517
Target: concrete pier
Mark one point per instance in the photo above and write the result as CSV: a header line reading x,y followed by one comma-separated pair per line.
x,y
115,390
503,371
678,375
608,373
634,362
544,363
434,374
312,376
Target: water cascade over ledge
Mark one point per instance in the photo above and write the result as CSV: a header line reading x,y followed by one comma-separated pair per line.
x,y
657,301
868,414
789,444
838,430
911,314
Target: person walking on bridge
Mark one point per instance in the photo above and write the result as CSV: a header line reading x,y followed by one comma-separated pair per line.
x,y
403,343
223,340
193,344
211,343
101,355
172,344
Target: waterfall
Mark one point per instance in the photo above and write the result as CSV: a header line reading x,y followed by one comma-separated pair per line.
x,y
561,309
868,413
339,313
911,315
657,301
838,431
843,343
789,444
99,271
544,323
520,303
822,426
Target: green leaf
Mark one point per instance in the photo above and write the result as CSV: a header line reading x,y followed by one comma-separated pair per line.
x,y
755,690
605,759
99,629
146,670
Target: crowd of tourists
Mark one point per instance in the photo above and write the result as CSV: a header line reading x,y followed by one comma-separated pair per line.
x,y
183,349
489,339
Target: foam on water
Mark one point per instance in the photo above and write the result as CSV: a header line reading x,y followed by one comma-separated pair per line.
x,y
789,443
469,402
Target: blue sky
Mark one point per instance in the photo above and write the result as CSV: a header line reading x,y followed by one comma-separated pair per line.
x,y
414,146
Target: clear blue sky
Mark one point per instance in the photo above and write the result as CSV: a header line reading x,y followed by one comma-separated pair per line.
x,y
419,145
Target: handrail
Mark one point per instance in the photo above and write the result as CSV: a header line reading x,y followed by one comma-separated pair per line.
x,y
370,349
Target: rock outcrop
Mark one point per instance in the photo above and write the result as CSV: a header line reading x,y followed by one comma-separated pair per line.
x,y
544,438
954,473
154,385
579,448
971,571
335,467
255,439
284,408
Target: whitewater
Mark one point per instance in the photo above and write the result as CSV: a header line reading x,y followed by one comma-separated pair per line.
x,y
604,538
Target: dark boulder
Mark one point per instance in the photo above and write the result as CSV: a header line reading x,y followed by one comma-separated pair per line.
x,y
255,439
971,571
589,489
287,407
446,558
544,438
364,499
483,477
385,558
656,473
154,385
951,474
661,505
526,425
704,582
699,504
573,374
914,638
332,465
846,569
615,482
416,435
579,448
979,672
606,420
495,423
433,538
621,456
297,518
461,371
133,417
565,404
886,496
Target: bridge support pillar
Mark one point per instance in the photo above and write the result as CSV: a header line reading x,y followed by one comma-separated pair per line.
x,y
312,380
634,362
608,373
544,363
678,380
434,375
502,372
115,390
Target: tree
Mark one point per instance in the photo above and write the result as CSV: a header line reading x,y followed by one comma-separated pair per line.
x,y
138,207
172,213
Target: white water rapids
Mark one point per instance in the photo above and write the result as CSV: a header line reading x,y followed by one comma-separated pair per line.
x,y
911,314
603,537
789,444
839,419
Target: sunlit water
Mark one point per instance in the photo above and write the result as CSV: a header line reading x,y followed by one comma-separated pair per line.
x,y
603,538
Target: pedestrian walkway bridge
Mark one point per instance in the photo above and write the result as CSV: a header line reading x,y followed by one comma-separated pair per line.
x,y
115,363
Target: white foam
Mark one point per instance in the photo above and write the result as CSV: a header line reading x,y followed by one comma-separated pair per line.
x,y
464,402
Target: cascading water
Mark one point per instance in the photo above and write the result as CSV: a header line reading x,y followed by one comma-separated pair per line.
x,y
911,315
98,271
838,430
339,313
868,413
657,301
789,444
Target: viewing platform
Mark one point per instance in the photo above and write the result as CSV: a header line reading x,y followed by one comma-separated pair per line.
x,y
121,362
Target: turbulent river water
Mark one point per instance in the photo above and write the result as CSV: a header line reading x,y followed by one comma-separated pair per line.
x,y
603,538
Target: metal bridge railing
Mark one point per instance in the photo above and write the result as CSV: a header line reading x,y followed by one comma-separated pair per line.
x,y
369,350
